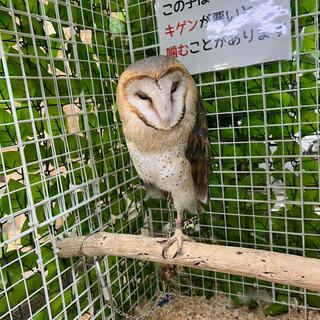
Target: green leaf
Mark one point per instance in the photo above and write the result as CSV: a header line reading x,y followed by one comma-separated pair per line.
x,y
12,160
34,156
6,24
76,143
313,300
17,195
117,22
37,188
82,173
306,6
71,147
275,309
24,122
58,120
7,129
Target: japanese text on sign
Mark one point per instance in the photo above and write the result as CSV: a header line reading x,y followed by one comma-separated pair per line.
x,y
208,35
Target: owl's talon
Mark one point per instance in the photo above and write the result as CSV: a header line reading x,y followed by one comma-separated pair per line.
x,y
168,244
176,254
178,237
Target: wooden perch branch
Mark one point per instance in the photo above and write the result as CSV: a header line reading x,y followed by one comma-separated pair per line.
x,y
265,265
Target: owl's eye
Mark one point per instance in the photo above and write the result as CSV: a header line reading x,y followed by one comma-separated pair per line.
x,y
174,87
143,96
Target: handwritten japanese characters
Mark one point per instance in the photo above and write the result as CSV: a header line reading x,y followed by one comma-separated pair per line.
x,y
227,33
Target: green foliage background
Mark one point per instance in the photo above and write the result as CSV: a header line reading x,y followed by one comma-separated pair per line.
x,y
70,171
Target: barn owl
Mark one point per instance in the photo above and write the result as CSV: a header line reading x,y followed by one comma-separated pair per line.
x,y
167,135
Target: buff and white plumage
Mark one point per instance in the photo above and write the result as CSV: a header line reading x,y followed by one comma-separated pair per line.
x,y
166,133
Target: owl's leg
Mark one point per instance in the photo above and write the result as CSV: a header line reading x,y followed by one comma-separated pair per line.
x,y
178,237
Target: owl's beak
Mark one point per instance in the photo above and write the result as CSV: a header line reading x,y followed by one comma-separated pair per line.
x,y
165,113
165,116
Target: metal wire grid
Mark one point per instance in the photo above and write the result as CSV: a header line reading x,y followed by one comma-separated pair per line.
x,y
262,195
86,209
64,169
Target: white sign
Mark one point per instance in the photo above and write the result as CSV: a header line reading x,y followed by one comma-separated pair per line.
x,y
209,35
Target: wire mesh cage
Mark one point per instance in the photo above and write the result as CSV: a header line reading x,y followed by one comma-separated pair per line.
x,y
65,169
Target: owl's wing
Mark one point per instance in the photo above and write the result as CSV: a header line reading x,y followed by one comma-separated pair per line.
x,y
198,152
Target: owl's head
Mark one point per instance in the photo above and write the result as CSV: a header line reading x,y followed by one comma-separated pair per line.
x,y
158,90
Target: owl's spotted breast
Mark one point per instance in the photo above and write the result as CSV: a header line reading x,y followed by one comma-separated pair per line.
x,y
168,170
